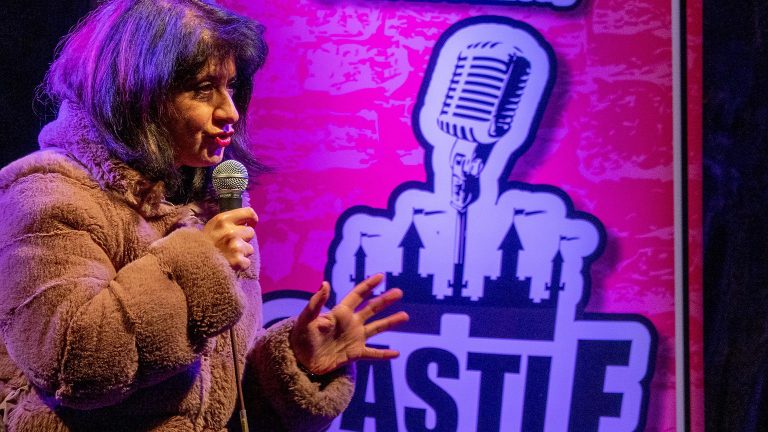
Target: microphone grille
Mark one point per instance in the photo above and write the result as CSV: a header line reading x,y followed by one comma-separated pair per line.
x,y
230,175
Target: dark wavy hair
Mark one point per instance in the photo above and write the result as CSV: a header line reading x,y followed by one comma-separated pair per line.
x,y
123,63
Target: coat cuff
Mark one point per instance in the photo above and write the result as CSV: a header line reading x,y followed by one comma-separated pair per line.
x,y
304,404
208,282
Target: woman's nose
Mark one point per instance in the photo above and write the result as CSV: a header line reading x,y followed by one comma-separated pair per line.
x,y
226,112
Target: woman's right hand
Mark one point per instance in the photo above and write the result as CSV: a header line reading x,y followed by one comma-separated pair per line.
x,y
231,231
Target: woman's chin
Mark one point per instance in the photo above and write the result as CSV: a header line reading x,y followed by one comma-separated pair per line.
x,y
214,160
216,156
203,162
212,157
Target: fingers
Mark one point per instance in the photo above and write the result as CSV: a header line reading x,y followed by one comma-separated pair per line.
x,y
378,354
238,232
380,303
315,305
376,327
240,216
384,324
361,292
231,232
237,253
235,247
239,263
225,221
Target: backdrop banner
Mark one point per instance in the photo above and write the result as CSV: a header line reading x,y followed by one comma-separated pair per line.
x,y
510,167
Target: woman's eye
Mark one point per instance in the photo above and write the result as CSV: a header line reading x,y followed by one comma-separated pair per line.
x,y
204,88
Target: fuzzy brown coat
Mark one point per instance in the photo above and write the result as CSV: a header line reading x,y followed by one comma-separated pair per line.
x,y
115,307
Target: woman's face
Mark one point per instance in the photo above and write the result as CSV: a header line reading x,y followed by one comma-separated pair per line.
x,y
203,116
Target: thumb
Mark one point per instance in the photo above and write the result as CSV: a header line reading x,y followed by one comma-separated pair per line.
x,y
315,305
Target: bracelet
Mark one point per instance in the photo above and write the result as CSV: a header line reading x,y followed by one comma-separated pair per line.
x,y
311,375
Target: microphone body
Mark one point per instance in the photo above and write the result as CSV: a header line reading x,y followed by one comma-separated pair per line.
x,y
227,203
230,180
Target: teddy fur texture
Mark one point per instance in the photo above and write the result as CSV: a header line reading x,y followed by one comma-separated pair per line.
x,y
115,307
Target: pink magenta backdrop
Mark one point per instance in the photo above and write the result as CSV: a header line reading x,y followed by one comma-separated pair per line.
x,y
332,114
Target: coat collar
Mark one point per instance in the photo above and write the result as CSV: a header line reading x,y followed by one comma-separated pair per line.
x,y
74,132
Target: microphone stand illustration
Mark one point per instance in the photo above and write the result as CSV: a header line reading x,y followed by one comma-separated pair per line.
x,y
479,107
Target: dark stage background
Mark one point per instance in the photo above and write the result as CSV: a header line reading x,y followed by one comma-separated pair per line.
x,y
29,32
735,209
735,187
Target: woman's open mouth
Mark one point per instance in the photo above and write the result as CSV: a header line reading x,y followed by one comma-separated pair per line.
x,y
224,139
223,142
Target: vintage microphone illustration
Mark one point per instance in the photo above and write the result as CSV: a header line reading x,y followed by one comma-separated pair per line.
x,y
479,108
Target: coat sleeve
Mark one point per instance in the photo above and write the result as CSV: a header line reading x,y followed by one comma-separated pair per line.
x,y
85,332
279,396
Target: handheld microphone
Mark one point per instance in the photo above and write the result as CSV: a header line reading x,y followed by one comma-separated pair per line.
x,y
230,180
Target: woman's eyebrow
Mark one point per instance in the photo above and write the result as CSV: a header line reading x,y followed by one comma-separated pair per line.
x,y
212,76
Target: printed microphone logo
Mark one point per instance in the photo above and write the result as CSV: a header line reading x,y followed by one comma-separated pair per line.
x,y
495,274
478,109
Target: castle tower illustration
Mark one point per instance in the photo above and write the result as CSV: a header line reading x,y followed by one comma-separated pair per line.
x,y
554,286
359,275
419,288
510,296
360,257
507,289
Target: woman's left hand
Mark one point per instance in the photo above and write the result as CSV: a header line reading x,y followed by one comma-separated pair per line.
x,y
324,342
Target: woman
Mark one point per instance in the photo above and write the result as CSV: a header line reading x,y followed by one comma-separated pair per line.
x,y
120,282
